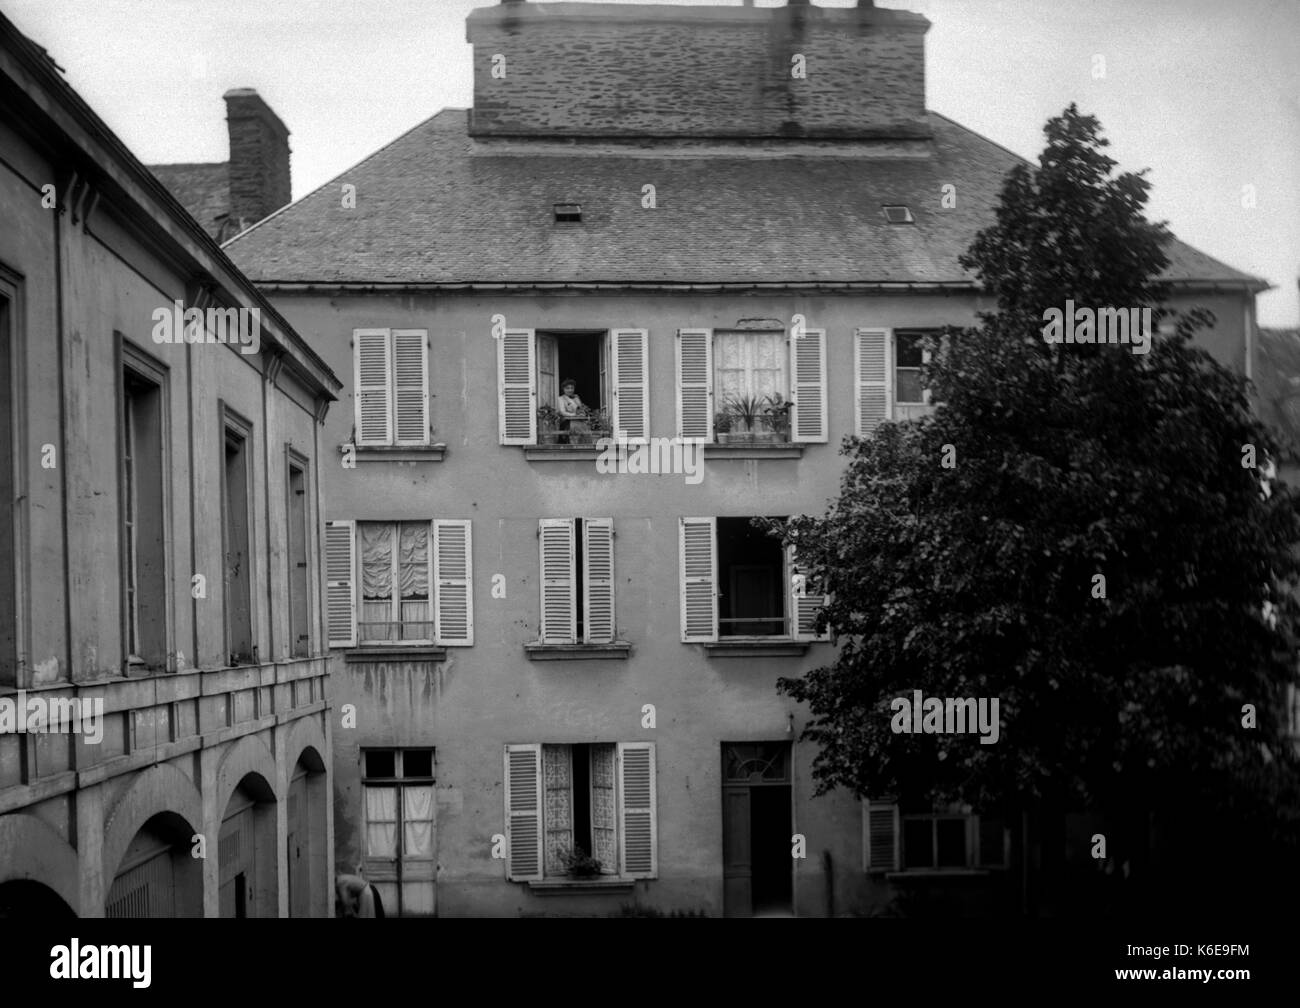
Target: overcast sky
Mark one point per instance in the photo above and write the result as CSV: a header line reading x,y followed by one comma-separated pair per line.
x,y
1206,93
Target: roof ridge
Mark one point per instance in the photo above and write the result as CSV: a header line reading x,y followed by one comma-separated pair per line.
x,y
369,157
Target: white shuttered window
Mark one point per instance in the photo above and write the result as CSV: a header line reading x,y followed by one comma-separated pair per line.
x,y
391,382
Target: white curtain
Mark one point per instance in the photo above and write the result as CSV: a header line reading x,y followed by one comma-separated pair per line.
x,y
749,364
417,821
381,822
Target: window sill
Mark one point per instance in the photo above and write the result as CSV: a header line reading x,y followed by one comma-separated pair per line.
x,y
934,874
537,651
400,453
396,652
754,449
568,887
562,453
756,647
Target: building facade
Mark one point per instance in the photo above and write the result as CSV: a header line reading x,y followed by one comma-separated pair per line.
x,y
726,227
164,710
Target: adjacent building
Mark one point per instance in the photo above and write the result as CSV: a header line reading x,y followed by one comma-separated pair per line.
x,y
165,742
726,226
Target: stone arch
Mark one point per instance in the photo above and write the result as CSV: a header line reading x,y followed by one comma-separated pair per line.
x,y
247,756
306,733
162,788
35,852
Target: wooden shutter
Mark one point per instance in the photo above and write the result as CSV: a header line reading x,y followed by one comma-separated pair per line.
x,y
453,582
373,376
872,400
637,824
411,386
517,381
598,579
695,384
880,836
548,382
559,596
699,575
803,606
631,384
524,812
341,582
808,387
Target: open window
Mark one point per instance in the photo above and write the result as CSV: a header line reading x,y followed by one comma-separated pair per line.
x,y
739,582
609,395
887,367
596,798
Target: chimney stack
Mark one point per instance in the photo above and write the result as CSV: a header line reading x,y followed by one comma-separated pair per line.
x,y
259,158
676,70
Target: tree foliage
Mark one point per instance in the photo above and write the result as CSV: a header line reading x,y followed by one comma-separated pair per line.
x,y
1071,461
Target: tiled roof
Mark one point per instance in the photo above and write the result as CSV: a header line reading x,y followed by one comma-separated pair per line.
x,y
202,189
437,206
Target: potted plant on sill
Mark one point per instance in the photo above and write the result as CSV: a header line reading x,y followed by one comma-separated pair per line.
x,y
722,427
550,426
746,416
598,423
776,415
579,864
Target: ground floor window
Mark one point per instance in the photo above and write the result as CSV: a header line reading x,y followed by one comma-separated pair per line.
x,y
399,822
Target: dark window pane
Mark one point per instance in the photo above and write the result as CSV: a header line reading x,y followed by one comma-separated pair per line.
x,y
417,763
952,843
908,387
380,763
907,351
918,843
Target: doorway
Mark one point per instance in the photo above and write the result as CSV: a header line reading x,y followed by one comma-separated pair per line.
x,y
757,824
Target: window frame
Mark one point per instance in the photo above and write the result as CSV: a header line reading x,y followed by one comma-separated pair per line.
x,y
395,598
376,864
232,425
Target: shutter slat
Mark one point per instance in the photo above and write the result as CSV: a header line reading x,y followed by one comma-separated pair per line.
x,y
631,379
695,384
559,594
808,387
373,386
880,845
517,379
638,827
340,583
598,586
411,386
699,580
871,405
524,812
453,582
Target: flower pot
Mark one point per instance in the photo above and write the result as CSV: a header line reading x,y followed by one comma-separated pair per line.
x,y
549,437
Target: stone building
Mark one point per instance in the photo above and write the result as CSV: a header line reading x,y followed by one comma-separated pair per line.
x,y
160,634
682,210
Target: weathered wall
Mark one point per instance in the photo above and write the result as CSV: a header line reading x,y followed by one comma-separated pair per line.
x,y
69,807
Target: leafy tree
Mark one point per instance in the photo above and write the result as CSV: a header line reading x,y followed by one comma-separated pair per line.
x,y
1065,462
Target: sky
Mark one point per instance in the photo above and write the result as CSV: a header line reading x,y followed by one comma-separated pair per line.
x,y
1204,93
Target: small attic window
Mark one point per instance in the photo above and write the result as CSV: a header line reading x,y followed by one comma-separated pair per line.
x,y
899,215
568,213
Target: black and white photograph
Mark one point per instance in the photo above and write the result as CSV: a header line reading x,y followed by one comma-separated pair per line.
x,y
677,458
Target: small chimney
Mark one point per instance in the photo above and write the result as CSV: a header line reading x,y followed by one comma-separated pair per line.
x,y
259,158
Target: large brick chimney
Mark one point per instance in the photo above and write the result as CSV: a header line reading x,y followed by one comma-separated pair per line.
x,y
259,158
670,70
